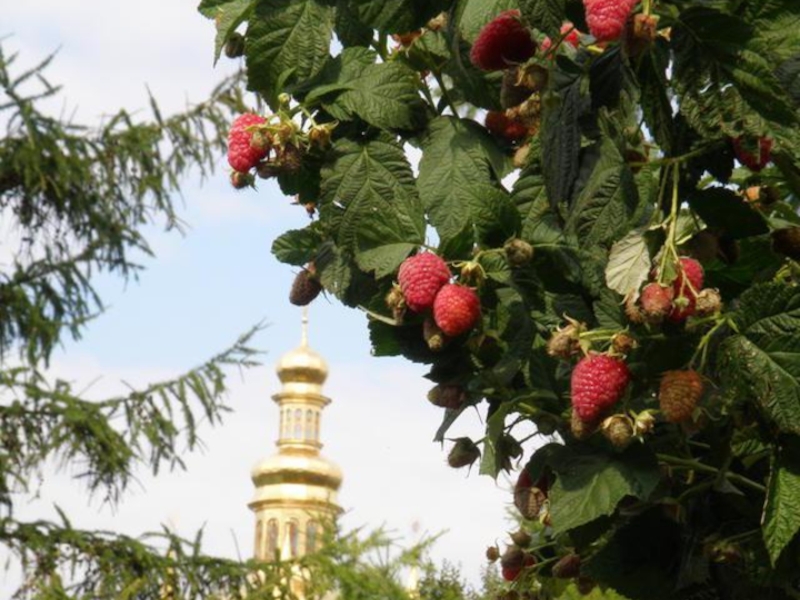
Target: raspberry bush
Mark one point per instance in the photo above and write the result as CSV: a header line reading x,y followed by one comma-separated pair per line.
x,y
663,154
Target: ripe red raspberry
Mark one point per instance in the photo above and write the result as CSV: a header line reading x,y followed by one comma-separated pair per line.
x,y
573,37
598,381
456,309
656,301
606,18
500,125
241,155
753,153
420,277
679,393
503,41
685,288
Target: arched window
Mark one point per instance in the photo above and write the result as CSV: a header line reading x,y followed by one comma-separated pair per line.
x,y
309,425
312,530
272,539
298,424
293,532
259,532
287,424
316,426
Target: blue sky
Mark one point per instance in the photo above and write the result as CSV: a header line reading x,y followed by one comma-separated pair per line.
x,y
206,287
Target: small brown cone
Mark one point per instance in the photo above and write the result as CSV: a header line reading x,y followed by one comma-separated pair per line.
x,y
447,396
679,393
529,502
618,429
708,302
305,287
433,336
521,538
463,453
787,242
567,567
581,429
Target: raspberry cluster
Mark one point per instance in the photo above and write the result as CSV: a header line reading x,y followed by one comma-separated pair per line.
x,y
424,283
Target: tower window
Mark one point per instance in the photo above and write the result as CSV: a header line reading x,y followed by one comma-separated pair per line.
x,y
272,539
259,532
287,423
312,530
298,424
294,534
309,425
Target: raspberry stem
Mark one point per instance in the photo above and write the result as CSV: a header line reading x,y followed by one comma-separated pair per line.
x,y
694,465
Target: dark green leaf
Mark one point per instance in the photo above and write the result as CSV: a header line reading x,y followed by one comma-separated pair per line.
x,y
297,246
545,15
287,41
349,30
472,15
727,212
788,73
603,209
761,364
782,508
397,16
457,181
590,484
368,189
574,593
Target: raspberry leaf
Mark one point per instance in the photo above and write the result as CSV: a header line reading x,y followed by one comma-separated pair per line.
x,y
724,210
604,207
782,509
397,16
590,484
287,43
459,164
762,363
546,15
628,263
368,191
297,246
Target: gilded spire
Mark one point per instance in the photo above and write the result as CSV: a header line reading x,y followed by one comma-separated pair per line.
x,y
296,488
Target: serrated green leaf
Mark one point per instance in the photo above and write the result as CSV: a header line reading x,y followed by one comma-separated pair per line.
x,y
628,263
573,593
590,484
561,138
287,42
761,364
385,95
603,208
788,73
457,181
651,73
368,193
781,521
397,16
712,50
349,30
297,246
540,225
545,15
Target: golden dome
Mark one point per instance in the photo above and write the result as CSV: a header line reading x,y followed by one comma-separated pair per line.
x,y
302,365
302,468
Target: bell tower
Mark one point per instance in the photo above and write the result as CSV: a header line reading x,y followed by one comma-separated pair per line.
x,y
296,488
